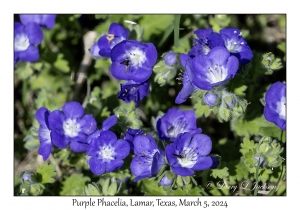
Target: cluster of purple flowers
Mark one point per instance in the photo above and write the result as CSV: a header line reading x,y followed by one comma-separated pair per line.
x,y
70,126
213,60
28,35
132,61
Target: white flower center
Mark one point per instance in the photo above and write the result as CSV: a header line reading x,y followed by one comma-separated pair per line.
x,y
234,46
216,74
177,128
71,127
107,153
188,158
21,42
45,134
281,108
136,56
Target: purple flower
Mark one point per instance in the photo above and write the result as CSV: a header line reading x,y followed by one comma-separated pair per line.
x,y
26,38
148,158
207,39
214,69
26,177
170,58
132,60
133,91
189,153
175,122
165,181
236,44
116,34
46,21
210,99
107,153
130,135
95,51
106,125
71,126
275,108
188,87
45,148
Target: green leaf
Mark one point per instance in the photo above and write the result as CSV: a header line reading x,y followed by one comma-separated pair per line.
x,y
273,131
91,189
155,24
202,110
247,145
112,190
219,21
46,173
105,185
241,171
62,64
240,90
100,16
74,185
220,173
246,128
282,46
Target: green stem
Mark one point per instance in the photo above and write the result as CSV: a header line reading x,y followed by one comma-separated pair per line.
x,y
176,30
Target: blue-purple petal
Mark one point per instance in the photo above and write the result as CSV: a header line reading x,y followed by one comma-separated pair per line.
x,y
42,115
113,165
203,163
88,124
123,149
203,143
109,122
34,32
45,148
182,171
79,143
31,54
96,166
59,140
73,110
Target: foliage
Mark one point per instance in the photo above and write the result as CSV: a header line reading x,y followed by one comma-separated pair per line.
x,y
249,148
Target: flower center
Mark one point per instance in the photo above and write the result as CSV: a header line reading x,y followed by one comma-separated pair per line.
x,y
216,73
21,42
188,158
177,128
235,44
136,57
107,153
281,107
71,127
44,133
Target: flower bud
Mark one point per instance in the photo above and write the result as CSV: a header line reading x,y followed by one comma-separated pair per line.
x,y
229,100
170,58
210,99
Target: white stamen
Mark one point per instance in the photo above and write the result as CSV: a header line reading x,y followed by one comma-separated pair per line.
x,y
44,133
71,127
107,153
281,108
188,159
216,74
136,56
21,42
235,32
